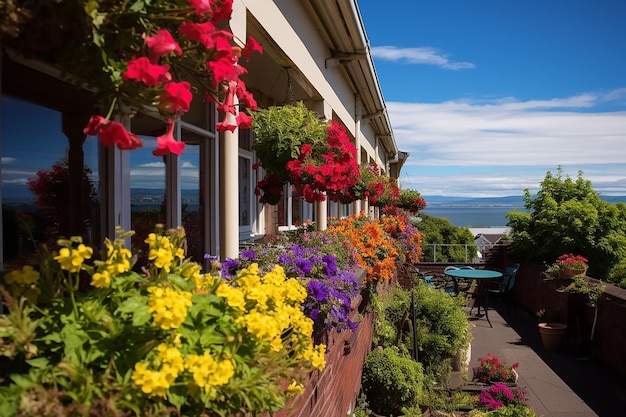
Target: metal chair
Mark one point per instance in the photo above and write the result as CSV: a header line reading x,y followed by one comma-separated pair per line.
x,y
505,287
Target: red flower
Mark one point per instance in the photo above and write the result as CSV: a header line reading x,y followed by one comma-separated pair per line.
x,y
115,133
166,142
162,44
223,126
244,120
200,32
141,69
202,6
251,46
94,125
177,97
223,70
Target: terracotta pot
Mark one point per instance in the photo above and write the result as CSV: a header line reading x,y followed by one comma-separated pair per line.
x,y
569,272
552,335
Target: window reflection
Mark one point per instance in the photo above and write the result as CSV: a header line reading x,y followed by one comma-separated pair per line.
x,y
193,200
147,185
37,193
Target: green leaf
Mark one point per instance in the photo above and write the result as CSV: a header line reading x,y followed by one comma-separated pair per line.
x,y
177,395
211,337
40,363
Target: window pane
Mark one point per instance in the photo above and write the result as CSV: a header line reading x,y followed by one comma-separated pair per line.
x,y
37,196
193,201
147,185
244,191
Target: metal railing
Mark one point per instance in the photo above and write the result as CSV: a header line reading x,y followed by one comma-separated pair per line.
x,y
468,257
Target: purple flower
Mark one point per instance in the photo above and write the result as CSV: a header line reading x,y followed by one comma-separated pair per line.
x,y
248,254
318,290
230,267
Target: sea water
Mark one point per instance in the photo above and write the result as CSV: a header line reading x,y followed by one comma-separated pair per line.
x,y
473,216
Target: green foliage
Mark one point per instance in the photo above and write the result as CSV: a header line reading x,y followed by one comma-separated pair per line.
x,y
591,291
442,327
439,230
280,132
517,410
447,401
170,341
617,275
391,381
565,216
392,314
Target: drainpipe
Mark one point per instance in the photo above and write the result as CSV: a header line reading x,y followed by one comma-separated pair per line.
x,y
392,161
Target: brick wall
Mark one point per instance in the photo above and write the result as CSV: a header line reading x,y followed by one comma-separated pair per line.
x,y
533,292
334,391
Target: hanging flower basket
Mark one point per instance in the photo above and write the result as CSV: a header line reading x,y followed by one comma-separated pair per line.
x,y
281,131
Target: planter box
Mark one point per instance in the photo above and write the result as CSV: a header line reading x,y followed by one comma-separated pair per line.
x,y
334,391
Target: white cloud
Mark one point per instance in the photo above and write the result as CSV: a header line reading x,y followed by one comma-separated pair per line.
x,y
6,160
506,136
421,55
152,165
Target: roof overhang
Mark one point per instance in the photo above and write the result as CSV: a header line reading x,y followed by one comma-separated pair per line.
x,y
341,24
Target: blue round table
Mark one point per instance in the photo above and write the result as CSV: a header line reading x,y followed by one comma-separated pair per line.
x,y
477,274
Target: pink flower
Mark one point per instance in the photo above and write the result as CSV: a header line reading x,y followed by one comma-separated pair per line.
x,y
166,142
162,44
177,97
141,69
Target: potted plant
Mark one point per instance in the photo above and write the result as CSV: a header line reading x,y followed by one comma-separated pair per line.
x,y
568,265
411,201
552,332
582,292
491,369
294,145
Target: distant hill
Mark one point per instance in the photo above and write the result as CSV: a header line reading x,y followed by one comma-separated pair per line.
x,y
508,201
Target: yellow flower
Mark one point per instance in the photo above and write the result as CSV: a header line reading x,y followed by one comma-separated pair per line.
x,y
169,306
27,275
294,389
72,259
101,279
234,296
315,355
208,372
153,383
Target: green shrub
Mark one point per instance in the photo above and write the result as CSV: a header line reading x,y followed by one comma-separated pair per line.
x,y
442,328
391,312
391,381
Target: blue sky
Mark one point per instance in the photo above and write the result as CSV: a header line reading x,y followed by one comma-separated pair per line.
x,y
487,96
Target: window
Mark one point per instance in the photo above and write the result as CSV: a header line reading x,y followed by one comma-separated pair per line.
x,y
41,201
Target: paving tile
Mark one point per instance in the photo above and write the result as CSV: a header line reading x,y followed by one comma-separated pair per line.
x,y
557,385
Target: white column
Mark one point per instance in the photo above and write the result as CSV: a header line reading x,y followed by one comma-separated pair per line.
x,y
229,191
322,212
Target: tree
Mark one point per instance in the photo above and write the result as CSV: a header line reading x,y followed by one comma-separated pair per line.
x,y
568,216
438,231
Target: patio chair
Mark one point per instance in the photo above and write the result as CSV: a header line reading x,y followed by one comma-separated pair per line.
x,y
462,285
504,290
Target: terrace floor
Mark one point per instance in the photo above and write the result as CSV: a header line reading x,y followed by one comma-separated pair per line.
x,y
556,383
